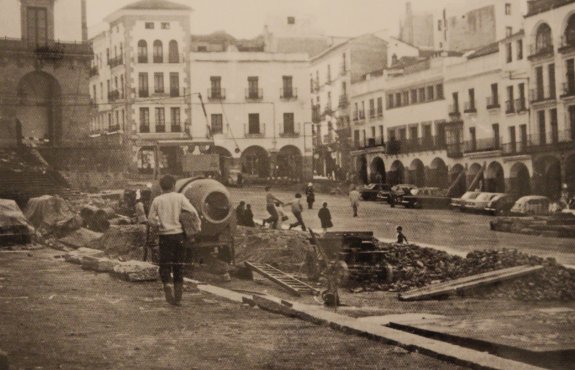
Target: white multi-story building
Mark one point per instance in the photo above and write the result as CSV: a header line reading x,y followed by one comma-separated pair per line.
x,y
141,84
550,35
45,62
331,74
257,110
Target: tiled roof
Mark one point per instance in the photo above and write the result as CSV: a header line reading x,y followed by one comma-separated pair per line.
x,y
156,5
486,50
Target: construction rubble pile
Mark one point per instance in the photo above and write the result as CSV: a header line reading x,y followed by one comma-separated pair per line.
x,y
285,250
415,267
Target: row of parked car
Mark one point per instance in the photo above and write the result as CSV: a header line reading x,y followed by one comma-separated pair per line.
x,y
411,196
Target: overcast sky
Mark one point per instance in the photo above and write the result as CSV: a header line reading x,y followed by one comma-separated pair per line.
x,y
245,18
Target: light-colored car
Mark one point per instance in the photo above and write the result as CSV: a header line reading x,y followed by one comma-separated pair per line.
x,y
531,205
479,203
501,204
458,202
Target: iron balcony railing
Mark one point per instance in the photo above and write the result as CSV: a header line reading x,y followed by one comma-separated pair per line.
x,y
142,59
469,107
175,127
288,93
293,132
568,87
251,131
492,102
520,105
540,50
515,147
567,44
114,62
142,93
216,94
144,128
254,94
372,113
542,93
551,138
482,145
343,101
94,71
174,92
160,128
113,95
509,106
315,114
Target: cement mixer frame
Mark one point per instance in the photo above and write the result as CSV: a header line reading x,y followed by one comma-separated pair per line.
x,y
213,202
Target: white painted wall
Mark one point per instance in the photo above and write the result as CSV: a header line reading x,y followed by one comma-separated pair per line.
x,y
10,24
68,20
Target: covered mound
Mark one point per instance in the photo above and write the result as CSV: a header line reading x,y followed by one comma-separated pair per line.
x,y
286,250
52,215
14,227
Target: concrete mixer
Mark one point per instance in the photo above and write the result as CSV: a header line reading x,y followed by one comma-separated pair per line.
x,y
212,201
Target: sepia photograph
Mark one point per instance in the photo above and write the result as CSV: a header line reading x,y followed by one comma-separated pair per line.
x,y
287,184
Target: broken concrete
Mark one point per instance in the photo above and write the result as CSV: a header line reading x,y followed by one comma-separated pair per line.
x,y
80,238
99,264
135,271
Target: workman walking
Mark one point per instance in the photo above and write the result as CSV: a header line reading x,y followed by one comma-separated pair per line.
x,y
165,213
271,208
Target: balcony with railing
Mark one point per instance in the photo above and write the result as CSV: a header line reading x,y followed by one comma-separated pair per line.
x,y
328,111
175,127
568,88
492,102
113,95
509,107
216,94
258,131
291,132
520,105
254,94
94,71
117,61
540,51
288,93
48,51
542,93
469,107
567,45
515,147
482,145
143,93
454,150
454,113
160,128
174,92
343,101
552,140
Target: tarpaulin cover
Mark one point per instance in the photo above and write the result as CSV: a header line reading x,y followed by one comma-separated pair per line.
x,y
51,213
11,217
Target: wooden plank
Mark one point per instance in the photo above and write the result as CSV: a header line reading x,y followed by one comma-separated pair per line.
x,y
468,283
291,284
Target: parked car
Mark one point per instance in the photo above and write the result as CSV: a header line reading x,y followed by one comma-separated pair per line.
x,y
501,204
531,205
394,195
369,192
426,198
479,203
458,202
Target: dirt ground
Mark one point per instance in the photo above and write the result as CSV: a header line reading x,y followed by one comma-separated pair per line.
x,y
55,315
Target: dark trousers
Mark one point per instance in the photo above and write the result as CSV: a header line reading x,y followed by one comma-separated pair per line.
x,y
354,206
273,219
172,257
299,222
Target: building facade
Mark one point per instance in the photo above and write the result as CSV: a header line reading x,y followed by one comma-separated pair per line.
x,y
550,35
331,75
256,108
140,82
45,62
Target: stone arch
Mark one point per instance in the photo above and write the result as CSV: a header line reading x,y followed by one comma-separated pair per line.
x,y
377,170
519,180
361,166
495,178
547,176
39,110
438,173
173,52
158,51
457,180
255,162
472,174
142,51
568,29
416,175
543,37
289,162
396,173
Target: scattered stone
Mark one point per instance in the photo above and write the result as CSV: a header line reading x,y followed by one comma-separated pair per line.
x,y
122,241
80,238
136,271
98,264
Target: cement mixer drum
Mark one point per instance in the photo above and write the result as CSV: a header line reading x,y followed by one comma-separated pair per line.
x,y
212,200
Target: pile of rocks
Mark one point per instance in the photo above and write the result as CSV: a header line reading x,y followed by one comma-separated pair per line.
x,y
415,267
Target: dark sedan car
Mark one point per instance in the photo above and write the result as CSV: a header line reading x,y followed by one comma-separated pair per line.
x,y
426,198
369,192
